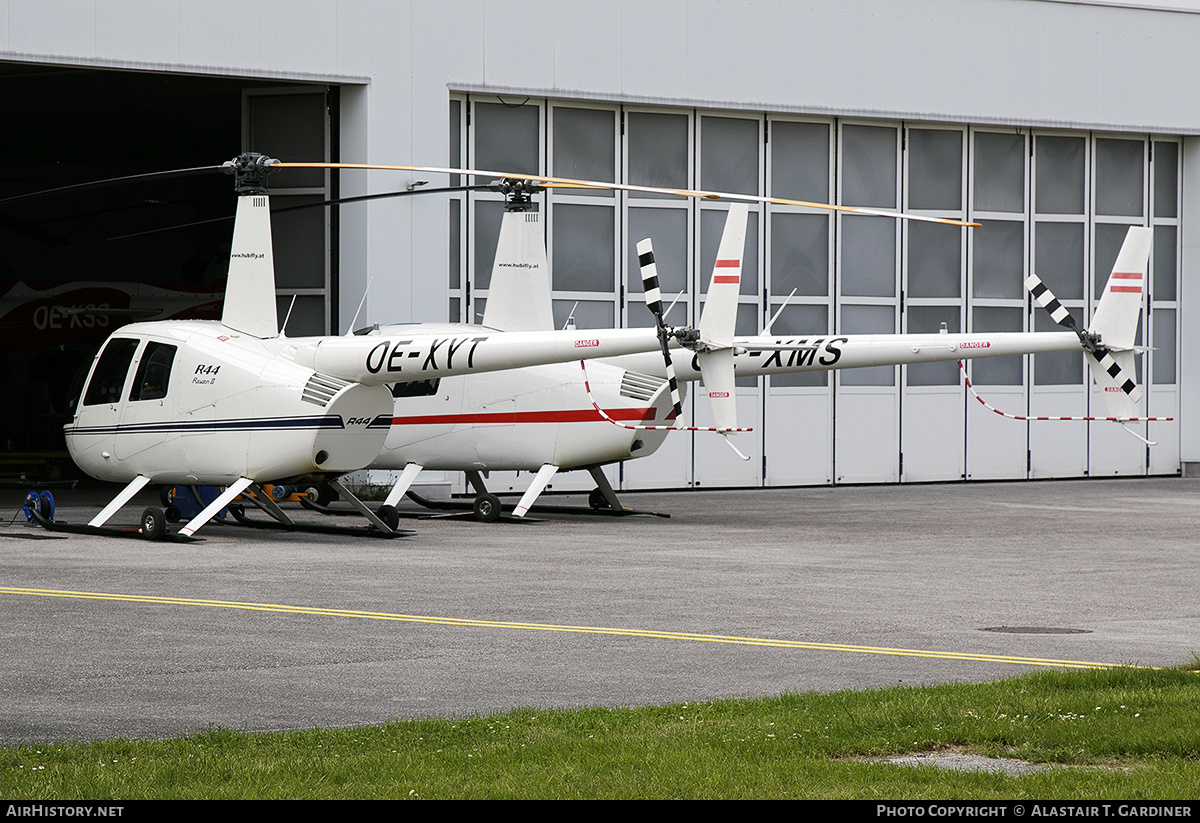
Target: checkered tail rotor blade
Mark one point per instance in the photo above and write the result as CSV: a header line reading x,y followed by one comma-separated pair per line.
x,y
645,250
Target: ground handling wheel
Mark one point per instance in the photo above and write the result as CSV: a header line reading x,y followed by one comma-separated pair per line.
x,y
487,508
389,516
154,523
597,500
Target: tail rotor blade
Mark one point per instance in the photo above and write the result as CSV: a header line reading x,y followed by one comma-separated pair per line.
x,y
645,250
1046,299
1114,373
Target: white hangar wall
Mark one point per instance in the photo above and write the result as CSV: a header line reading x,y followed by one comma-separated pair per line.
x,y
1034,65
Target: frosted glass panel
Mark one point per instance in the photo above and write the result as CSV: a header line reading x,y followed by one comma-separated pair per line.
x,y
488,214
583,248
868,320
455,158
506,138
667,230
999,172
800,161
1119,177
868,256
934,260
1059,258
589,314
658,149
729,154
1164,263
455,244
999,259
935,169
585,147
1166,179
800,254
1060,175
997,371
869,166
1164,346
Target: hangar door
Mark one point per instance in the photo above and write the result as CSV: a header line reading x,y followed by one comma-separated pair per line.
x,y
75,268
1056,203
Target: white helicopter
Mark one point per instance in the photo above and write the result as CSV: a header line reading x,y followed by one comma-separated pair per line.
x,y
235,403
562,417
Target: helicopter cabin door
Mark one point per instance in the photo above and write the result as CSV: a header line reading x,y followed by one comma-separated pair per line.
x,y
148,408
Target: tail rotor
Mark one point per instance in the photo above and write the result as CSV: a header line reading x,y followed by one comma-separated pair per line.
x,y
1108,343
654,304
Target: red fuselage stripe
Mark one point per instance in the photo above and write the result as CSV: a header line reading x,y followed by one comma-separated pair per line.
x,y
1127,275
728,264
1133,289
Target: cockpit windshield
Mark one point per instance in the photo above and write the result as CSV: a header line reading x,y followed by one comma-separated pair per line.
x,y
109,375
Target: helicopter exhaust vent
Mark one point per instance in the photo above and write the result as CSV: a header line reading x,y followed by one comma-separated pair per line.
x,y
639,386
321,388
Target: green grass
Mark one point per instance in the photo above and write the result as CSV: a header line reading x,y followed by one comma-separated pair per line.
x,y
1117,733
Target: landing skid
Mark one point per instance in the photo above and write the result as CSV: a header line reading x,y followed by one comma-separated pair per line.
x,y
466,508
39,509
382,524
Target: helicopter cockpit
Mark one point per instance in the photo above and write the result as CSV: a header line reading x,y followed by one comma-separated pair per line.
x,y
151,378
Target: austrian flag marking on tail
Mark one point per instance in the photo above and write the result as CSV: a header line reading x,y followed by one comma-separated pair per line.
x,y
728,278
1115,284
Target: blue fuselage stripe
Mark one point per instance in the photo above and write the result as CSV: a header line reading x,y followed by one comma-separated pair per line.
x,y
203,426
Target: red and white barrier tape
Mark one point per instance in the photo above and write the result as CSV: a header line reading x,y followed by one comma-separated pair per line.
x,y
602,413
990,407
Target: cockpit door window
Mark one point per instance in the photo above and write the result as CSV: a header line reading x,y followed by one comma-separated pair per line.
x,y
153,372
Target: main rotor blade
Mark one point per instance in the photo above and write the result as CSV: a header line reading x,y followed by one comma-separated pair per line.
x,y
599,184
339,201
111,181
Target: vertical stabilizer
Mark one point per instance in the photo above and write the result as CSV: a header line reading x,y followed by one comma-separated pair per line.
x,y
1116,316
519,291
719,318
720,304
1116,322
250,291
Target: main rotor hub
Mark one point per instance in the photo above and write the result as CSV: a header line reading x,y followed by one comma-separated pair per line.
x,y
517,193
250,170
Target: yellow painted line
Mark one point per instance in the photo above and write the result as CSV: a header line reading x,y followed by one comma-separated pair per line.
x,y
550,627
